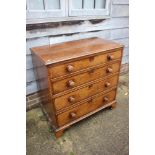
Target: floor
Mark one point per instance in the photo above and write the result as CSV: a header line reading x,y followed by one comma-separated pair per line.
x,y
104,133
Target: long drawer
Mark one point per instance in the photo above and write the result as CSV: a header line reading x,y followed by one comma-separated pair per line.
x,y
85,108
80,79
78,95
71,67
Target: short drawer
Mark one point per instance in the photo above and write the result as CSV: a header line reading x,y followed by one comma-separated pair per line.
x,y
83,93
85,108
80,79
68,68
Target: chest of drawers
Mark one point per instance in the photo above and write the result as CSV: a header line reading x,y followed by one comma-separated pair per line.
x,y
77,78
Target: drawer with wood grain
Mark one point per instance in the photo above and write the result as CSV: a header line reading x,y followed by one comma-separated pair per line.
x,y
71,67
80,79
90,105
83,93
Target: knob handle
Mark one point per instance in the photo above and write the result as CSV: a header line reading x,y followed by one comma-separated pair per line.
x,y
70,68
71,99
73,115
90,100
91,71
109,70
107,84
71,83
105,99
90,86
110,57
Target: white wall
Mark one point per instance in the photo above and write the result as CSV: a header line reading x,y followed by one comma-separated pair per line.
x,y
115,28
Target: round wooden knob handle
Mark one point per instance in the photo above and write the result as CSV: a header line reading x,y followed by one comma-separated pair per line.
x,y
90,100
105,99
91,71
109,70
71,99
70,68
107,84
90,86
71,83
73,115
110,57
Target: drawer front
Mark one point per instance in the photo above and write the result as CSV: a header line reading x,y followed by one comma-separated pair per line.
x,y
67,68
92,89
85,108
77,80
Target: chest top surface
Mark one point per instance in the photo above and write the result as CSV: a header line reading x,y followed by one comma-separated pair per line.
x,y
51,54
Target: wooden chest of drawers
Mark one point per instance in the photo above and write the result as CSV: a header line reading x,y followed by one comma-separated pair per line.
x,y
79,78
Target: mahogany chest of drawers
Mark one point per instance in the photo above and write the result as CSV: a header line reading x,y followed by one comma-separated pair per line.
x,y
79,78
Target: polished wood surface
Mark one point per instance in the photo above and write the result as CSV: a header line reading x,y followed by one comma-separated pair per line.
x,y
62,52
92,89
41,74
79,77
85,108
91,75
67,68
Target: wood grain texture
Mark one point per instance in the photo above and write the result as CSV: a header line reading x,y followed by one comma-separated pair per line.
x,y
85,92
61,70
41,74
116,34
89,106
85,116
66,51
111,28
91,75
80,79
